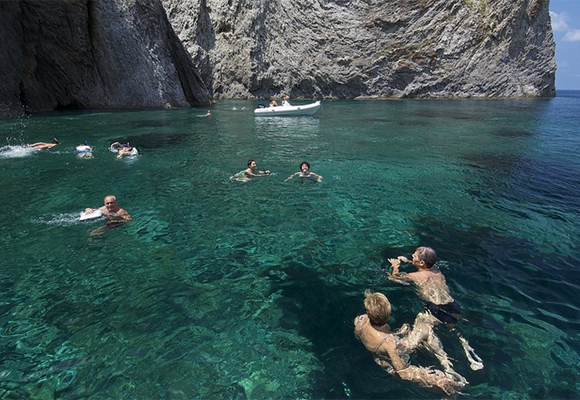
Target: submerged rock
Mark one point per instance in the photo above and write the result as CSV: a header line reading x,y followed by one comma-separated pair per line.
x,y
249,49
93,54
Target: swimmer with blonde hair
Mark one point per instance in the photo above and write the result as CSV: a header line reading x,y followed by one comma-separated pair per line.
x,y
375,334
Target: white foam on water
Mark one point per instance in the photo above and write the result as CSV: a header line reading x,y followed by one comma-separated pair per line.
x,y
16,151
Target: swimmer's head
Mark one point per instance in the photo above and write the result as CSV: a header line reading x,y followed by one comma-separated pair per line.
x,y
304,163
378,307
250,161
54,141
427,255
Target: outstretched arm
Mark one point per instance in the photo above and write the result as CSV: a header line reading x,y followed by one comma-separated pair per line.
x,y
291,176
318,177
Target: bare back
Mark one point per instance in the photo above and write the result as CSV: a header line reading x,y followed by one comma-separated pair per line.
x,y
431,286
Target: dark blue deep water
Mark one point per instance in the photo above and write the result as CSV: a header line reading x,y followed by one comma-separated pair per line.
x,y
222,289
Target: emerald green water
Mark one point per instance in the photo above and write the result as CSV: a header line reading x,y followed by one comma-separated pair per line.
x,y
222,289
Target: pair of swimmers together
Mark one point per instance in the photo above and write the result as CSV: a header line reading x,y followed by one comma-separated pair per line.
x,y
391,348
254,172
84,150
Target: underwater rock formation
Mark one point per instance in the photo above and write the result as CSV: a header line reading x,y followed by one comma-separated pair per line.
x,y
93,54
249,49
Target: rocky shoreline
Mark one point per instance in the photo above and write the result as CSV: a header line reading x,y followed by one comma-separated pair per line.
x,y
182,53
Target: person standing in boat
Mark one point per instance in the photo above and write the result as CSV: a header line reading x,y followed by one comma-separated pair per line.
x,y
285,102
305,173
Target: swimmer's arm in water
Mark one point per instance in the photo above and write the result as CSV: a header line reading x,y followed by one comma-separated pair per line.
x,y
391,348
318,177
122,216
249,172
292,176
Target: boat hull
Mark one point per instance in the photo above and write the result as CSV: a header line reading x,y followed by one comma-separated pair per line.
x,y
306,109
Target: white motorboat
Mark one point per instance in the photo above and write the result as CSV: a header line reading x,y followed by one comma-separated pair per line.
x,y
305,109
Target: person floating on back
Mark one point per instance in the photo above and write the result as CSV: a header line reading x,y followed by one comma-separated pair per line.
x,y
440,307
374,332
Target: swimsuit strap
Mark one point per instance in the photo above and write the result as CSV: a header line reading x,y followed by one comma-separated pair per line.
x,y
380,344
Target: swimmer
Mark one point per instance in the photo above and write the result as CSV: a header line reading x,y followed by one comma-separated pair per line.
x,y
375,334
83,150
440,306
208,113
111,210
305,173
253,172
123,149
42,145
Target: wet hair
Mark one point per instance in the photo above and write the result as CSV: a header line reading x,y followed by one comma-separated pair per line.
x,y
378,307
114,198
250,161
428,255
302,163
55,141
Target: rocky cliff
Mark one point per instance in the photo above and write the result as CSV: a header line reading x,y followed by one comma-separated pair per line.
x,y
92,54
124,53
369,48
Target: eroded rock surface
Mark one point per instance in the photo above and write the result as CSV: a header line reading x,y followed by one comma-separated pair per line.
x,y
373,48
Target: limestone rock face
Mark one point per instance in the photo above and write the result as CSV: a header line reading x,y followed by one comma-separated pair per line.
x,y
343,49
93,54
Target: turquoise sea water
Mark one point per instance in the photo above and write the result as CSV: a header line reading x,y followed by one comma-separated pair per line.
x,y
222,289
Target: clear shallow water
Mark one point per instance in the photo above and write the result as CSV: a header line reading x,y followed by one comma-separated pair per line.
x,y
223,289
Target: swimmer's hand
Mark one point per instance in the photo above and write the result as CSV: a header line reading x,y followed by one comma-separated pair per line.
x,y
395,263
403,259
396,277
89,210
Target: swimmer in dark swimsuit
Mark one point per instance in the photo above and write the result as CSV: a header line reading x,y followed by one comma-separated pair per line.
x,y
374,332
440,307
305,173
